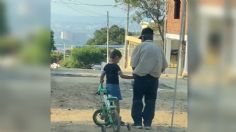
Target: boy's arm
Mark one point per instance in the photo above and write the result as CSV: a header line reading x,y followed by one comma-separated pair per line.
x,y
125,76
102,77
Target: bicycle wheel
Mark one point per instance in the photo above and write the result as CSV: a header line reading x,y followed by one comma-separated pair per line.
x,y
116,121
99,118
103,128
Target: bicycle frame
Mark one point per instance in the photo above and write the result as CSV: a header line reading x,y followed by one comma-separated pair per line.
x,y
108,104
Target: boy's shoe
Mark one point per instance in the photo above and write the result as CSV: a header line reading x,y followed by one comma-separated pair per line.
x,y
122,123
137,126
147,127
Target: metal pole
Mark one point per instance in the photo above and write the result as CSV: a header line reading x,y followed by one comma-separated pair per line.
x,y
182,39
64,50
165,25
107,36
64,45
126,34
165,29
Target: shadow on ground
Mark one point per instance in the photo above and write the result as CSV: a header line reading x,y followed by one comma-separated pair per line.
x,y
73,127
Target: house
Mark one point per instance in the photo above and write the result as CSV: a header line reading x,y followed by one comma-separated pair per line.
x,y
208,14
214,31
172,35
173,25
132,42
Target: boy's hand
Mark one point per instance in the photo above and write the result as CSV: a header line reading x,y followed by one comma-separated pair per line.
x,y
102,81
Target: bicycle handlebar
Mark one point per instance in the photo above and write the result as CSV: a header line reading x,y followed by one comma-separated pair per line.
x,y
101,89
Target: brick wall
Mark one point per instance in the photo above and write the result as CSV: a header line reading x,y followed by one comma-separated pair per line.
x,y
173,25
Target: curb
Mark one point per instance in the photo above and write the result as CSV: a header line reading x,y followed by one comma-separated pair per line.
x,y
75,75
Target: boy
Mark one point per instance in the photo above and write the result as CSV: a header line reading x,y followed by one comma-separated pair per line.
x,y
112,72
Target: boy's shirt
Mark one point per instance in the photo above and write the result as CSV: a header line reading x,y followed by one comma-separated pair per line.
x,y
112,73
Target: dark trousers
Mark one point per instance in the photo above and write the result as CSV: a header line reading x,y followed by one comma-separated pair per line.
x,y
144,87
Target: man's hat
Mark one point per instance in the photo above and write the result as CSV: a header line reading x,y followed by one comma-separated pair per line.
x,y
146,31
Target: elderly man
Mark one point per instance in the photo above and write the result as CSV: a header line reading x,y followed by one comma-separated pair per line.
x,y
148,62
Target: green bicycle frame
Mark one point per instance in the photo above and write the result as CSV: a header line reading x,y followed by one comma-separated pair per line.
x,y
108,104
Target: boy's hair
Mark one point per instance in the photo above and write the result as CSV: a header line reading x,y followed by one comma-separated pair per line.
x,y
114,53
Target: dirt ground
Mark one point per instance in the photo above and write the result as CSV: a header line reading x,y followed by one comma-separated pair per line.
x,y
73,102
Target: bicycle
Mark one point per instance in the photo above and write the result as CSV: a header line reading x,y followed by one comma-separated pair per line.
x,y
107,114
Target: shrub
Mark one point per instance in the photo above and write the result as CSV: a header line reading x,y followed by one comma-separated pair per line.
x,y
55,57
85,57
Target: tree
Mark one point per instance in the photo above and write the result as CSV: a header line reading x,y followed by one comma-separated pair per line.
x,y
56,57
3,24
85,57
52,46
116,35
37,50
153,9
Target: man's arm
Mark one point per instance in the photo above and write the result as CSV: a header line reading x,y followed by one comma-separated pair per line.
x,y
164,62
125,76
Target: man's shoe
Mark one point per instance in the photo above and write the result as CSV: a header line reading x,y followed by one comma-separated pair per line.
x,y
137,126
147,127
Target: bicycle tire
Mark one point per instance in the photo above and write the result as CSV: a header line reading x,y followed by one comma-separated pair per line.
x,y
103,128
116,121
96,115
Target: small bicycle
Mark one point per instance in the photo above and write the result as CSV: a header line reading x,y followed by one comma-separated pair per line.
x,y
107,114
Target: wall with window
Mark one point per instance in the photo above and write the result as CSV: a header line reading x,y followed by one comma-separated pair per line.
x,y
174,16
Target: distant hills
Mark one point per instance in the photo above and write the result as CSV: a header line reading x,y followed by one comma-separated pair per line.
x,y
81,28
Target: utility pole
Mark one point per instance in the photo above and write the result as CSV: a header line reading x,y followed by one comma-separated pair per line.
x,y
165,27
179,64
64,50
107,36
182,38
126,34
64,44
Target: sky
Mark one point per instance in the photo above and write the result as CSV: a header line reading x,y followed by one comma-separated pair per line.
x,y
71,8
81,16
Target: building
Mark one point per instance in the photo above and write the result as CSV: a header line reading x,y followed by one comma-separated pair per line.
x,y
173,26
132,42
215,28
207,20
172,36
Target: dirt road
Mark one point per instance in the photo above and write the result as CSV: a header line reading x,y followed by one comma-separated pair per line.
x,y
74,101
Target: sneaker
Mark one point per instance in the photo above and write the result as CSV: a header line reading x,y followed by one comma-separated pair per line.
x,y
137,126
122,123
147,127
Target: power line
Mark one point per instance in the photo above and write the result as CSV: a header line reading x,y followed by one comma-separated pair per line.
x,y
85,4
71,3
79,11
86,11
98,4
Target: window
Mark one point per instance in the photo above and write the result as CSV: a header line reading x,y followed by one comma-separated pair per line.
x,y
177,9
